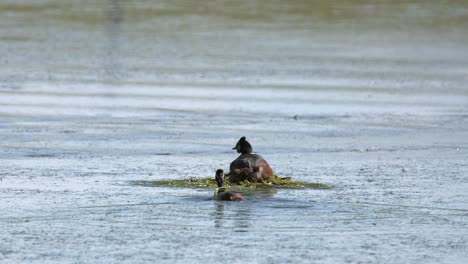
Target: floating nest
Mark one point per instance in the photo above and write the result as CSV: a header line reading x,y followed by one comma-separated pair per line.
x,y
275,182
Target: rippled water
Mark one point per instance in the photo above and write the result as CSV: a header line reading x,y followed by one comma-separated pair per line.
x,y
368,97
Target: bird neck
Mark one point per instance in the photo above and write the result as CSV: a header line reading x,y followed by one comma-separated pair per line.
x,y
219,190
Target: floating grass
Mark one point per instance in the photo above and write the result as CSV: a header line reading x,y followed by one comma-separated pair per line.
x,y
276,182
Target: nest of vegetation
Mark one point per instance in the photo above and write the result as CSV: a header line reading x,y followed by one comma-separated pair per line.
x,y
275,182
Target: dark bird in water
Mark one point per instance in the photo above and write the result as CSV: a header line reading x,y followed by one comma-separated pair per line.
x,y
243,146
221,193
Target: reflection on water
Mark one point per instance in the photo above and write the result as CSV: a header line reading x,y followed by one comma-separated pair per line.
x,y
219,215
238,216
113,29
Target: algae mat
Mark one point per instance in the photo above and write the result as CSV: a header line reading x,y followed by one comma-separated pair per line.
x,y
276,182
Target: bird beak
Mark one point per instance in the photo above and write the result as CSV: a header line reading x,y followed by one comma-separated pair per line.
x,y
234,147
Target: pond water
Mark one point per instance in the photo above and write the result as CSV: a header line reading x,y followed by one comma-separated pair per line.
x,y
368,97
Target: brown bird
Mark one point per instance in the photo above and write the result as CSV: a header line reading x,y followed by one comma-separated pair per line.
x,y
243,146
221,193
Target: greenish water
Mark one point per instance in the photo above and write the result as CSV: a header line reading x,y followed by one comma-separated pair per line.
x,y
368,97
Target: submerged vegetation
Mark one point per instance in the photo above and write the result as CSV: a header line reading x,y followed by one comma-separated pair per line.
x,y
275,182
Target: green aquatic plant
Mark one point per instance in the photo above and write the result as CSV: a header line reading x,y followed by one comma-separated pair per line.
x,y
276,182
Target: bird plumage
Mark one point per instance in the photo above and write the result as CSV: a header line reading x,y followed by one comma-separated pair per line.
x,y
243,146
221,192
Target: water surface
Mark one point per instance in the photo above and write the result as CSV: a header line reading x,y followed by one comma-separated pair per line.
x,y
371,98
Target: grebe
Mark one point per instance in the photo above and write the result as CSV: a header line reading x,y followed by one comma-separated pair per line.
x,y
221,193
